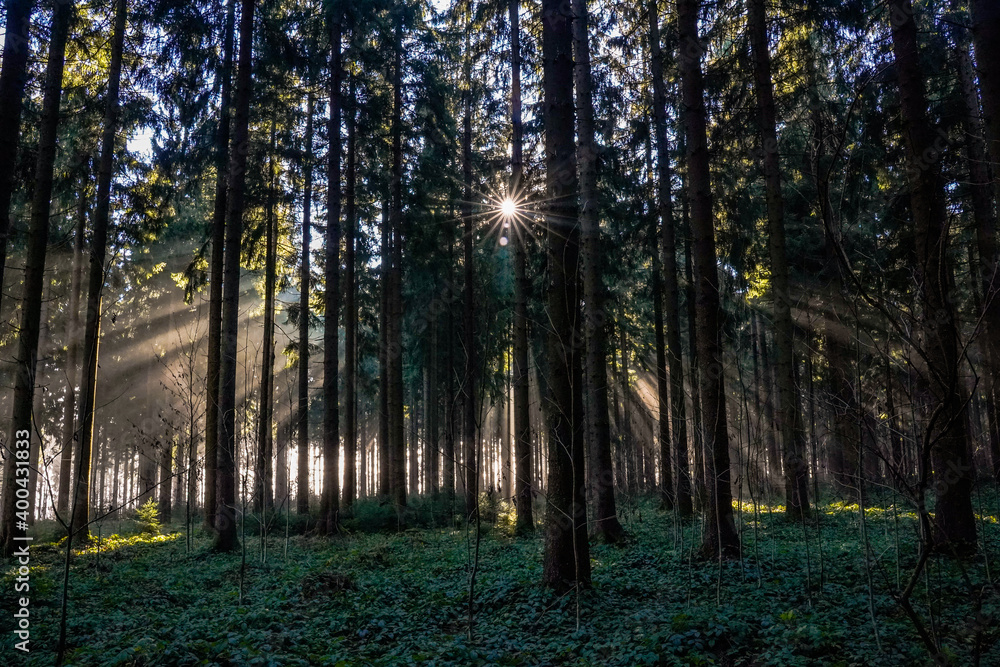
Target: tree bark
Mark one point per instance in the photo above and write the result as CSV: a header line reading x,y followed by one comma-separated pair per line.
x,y
163,505
450,395
264,499
305,288
606,524
217,263
525,522
567,554
469,403
945,431
397,434
72,353
670,286
34,269
225,521
787,416
330,503
986,38
13,77
384,451
95,285
720,538
350,317
430,415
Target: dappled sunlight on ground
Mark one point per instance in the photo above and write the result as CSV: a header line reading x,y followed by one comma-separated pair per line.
x,y
116,542
840,507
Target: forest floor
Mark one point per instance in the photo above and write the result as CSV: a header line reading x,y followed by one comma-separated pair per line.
x,y
800,596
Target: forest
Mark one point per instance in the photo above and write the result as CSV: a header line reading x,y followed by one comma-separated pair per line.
x,y
500,332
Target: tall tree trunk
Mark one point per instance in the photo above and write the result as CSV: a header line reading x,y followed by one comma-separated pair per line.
x,y
671,290
432,412
72,353
363,470
330,502
350,317
80,512
218,260
396,426
946,438
666,490
34,269
787,415
567,553
720,537
845,434
986,37
163,505
13,76
281,482
450,396
413,446
522,420
384,451
628,442
305,288
700,484
225,521
264,495
765,399
469,392
606,524
191,475
42,371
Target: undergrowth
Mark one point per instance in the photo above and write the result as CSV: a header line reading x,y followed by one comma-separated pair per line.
x,y
799,596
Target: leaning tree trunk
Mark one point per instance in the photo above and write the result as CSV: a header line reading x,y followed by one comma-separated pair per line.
x,y
945,440
34,278
787,415
330,502
225,520
13,76
522,421
606,524
567,554
215,279
720,537
305,288
670,282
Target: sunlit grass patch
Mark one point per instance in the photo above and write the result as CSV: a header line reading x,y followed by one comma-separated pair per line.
x,y
33,569
115,542
873,511
748,507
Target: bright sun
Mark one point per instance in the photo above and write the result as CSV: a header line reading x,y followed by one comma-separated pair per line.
x,y
508,207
